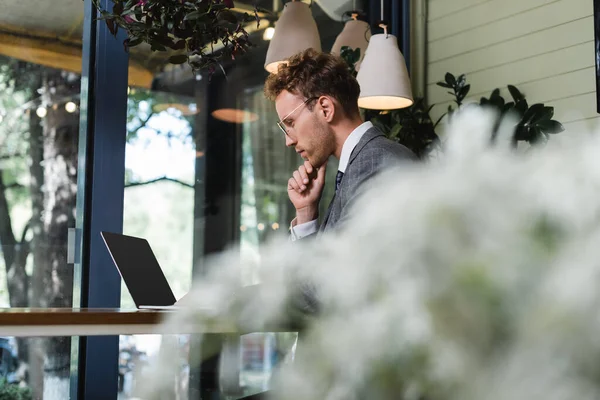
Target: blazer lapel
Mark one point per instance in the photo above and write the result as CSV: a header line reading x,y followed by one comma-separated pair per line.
x,y
328,213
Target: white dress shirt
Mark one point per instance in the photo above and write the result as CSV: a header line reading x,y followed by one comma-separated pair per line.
x,y
308,228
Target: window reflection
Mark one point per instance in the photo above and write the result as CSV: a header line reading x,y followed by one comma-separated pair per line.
x,y
207,169
139,353
21,378
266,162
159,183
160,194
39,127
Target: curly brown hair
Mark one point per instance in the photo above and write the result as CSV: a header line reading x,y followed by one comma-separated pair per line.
x,y
311,74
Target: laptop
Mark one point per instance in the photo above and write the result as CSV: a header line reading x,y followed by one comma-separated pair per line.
x,y
141,272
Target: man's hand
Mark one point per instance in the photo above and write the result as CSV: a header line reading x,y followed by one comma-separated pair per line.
x,y
304,189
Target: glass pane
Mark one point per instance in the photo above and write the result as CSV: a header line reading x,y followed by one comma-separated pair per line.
x,y
40,66
207,168
159,184
19,381
265,208
163,193
266,167
138,353
260,354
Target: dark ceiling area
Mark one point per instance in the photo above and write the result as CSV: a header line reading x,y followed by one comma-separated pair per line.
x,y
50,33
178,79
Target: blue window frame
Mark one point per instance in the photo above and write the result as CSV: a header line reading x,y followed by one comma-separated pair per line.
x,y
100,203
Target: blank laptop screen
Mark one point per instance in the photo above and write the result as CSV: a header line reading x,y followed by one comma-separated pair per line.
x,y
139,269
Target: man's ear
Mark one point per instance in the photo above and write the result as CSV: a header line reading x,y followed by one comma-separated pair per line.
x,y
327,108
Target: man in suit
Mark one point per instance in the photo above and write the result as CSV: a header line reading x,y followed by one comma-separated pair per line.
x,y
316,98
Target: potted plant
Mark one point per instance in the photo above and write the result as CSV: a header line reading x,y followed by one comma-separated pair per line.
x,y
535,123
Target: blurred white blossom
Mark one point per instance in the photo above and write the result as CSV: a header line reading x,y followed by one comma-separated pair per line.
x,y
475,276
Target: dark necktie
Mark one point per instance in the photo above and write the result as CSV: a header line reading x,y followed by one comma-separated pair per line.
x,y
338,180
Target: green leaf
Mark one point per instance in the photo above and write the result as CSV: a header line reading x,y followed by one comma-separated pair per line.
x,y
110,23
178,59
194,15
531,113
537,136
164,41
497,100
118,8
429,109
226,15
521,107
155,46
439,120
180,45
346,52
395,131
450,79
444,85
132,42
464,91
218,6
508,106
544,115
550,126
515,93
351,57
379,125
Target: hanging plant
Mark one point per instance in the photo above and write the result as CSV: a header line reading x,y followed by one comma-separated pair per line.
x,y
190,28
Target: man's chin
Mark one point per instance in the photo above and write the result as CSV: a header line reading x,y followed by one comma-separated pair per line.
x,y
314,162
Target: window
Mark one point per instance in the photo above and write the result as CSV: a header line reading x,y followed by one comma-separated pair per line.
x,y
40,66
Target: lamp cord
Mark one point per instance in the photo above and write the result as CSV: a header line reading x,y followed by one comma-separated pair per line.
x,y
382,24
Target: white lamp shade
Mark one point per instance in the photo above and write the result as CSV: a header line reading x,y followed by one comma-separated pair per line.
x,y
295,31
356,34
383,76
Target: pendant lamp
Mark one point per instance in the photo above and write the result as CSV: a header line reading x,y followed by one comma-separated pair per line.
x,y
234,115
356,35
383,76
295,31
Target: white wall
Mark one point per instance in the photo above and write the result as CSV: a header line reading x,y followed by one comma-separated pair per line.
x,y
544,47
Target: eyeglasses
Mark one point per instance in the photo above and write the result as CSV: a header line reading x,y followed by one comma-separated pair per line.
x,y
280,123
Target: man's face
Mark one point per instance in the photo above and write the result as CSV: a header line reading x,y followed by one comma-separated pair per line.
x,y
309,134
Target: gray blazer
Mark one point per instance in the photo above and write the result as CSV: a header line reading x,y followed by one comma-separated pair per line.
x,y
373,153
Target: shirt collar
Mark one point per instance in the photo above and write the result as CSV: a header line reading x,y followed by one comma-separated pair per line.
x,y
351,143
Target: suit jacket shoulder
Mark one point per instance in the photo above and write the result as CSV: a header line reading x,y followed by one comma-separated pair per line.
x,y
373,154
